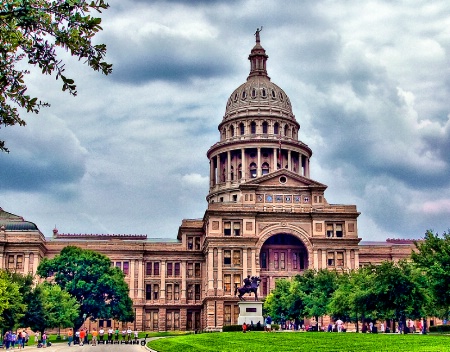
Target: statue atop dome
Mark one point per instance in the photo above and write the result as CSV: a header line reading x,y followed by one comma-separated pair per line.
x,y
258,30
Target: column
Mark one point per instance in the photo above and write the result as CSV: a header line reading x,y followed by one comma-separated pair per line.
x,y
244,262
219,271
324,259
131,273
162,289
275,161
307,168
228,166
140,279
210,268
26,263
211,172
244,164
254,262
315,260
183,280
356,259
258,167
289,161
348,259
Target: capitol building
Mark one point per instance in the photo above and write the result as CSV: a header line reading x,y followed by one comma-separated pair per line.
x,y
264,217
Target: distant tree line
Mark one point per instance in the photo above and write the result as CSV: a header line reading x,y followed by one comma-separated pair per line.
x,y
408,289
75,285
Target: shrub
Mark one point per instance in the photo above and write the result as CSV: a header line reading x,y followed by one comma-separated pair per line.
x,y
440,328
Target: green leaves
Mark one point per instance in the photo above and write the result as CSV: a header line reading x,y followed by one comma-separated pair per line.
x,y
33,30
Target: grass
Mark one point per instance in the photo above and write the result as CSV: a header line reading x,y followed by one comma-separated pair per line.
x,y
285,342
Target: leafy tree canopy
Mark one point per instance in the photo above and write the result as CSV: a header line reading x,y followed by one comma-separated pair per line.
x,y
99,288
30,31
11,304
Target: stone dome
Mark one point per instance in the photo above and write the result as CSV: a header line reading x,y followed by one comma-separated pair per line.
x,y
258,94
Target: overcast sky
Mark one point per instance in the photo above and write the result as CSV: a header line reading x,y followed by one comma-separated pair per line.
x,y
369,83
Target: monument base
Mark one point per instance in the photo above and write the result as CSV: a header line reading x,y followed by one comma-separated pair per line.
x,y
250,312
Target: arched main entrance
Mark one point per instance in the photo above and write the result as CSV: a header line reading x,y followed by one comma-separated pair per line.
x,y
281,256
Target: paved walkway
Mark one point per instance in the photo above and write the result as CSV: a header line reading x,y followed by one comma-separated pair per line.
x,y
63,347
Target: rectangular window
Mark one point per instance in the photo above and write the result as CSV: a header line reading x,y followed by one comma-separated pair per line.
x,y
294,260
19,263
237,228
169,320
197,270
330,258
169,292
148,268
264,260
176,320
197,292
156,269
155,291
236,258
190,270
283,261
227,315
148,292
169,269
339,232
176,292
330,231
177,269
227,257
119,265
237,280
197,243
155,320
126,268
190,243
227,228
190,292
339,258
275,261
227,283
236,313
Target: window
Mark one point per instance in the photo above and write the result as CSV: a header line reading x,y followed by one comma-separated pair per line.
x,y
177,269
227,315
276,263
190,292
197,243
264,127
197,292
339,231
227,257
169,292
236,258
148,268
230,227
253,170
282,261
169,269
253,127
227,228
190,243
264,260
156,268
232,131
276,128
335,230
19,263
339,258
242,129
197,270
176,292
330,259
265,168
190,270
155,291
237,280
240,171
236,228
148,292
227,283
124,266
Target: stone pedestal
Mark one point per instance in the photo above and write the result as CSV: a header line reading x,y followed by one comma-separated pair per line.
x,y
250,312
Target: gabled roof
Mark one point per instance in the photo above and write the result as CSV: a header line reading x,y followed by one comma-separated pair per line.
x,y
292,180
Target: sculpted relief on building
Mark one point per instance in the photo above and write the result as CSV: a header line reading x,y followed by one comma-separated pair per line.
x,y
265,216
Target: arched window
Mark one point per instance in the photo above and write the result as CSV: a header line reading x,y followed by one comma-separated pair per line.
x,y
240,171
232,173
264,127
242,128
232,131
224,134
253,170
265,168
253,127
294,133
276,128
286,130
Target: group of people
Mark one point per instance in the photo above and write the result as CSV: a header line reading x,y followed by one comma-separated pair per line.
x,y
81,336
17,339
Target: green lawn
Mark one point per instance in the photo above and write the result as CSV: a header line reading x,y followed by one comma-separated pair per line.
x,y
299,341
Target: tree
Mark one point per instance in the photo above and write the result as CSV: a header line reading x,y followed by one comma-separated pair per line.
x,y
398,291
353,299
11,303
99,288
432,257
278,301
50,307
32,30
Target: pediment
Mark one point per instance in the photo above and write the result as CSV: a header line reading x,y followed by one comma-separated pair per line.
x,y
283,178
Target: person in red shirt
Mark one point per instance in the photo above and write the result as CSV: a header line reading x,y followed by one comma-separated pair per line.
x,y
82,336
